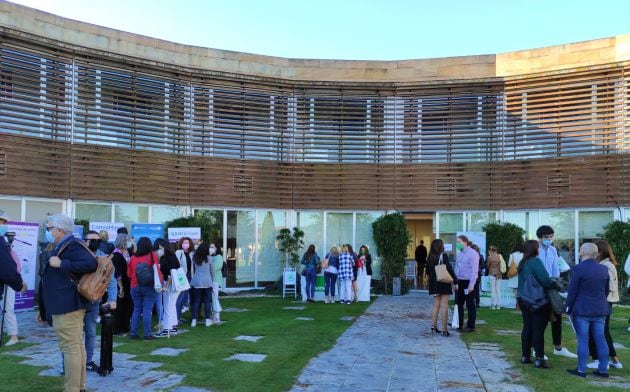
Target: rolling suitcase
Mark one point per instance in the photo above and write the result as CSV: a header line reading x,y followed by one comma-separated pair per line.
x,y
107,340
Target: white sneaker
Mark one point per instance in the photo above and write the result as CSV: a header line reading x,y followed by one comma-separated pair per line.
x,y
595,365
193,323
208,322
11,342
546,358
616,365
564,353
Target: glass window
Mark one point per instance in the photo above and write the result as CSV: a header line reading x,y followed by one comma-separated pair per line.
x,y
312,223
93,212
475,221
450,224
270,259
128,214
37,211
591,224
563,224
528,220
364,236
338,231
241,244
161,214
12,207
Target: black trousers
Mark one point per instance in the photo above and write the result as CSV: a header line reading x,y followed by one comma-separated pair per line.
x,y
533,334
470,305
556,330
592,348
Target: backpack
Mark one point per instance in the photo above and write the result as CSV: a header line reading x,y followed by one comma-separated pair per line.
x,y
144,274
93,285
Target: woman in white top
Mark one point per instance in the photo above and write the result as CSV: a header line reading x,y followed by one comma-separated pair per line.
x,y
515,257
216,259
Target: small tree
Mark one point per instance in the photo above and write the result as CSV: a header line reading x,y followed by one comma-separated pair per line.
x,y
391,237
504,236
617,234
210,222
290,244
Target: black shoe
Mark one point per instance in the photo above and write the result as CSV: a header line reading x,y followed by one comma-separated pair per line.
x,y
460,329
466,329
150,337
91,367
596,373
134,337
575,372
163,334
540,363
446,333
526,360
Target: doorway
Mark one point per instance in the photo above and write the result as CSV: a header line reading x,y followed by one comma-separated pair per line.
x,y
420,225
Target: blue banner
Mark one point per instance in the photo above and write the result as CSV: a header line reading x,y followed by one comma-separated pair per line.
x,y
151,230
78,231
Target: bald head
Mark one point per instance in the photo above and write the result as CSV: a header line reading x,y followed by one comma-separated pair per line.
x,y
588,251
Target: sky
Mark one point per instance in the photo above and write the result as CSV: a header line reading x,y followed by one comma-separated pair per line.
x,y
354,29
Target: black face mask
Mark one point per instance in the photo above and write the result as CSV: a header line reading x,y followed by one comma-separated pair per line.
x,y
93,244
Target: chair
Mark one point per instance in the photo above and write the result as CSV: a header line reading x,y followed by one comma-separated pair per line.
x,y
411,272
289,281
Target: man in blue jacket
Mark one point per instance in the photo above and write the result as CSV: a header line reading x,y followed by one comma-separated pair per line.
x,y
588,306
69,262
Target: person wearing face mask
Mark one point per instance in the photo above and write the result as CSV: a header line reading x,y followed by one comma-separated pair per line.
x,y
124,304
216,257
105,246
467,275
9,274
549,256
93,242
168,262
184,256
69,262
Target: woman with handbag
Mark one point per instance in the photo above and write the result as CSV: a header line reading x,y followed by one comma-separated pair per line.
x,y
441,280
494,273
310,260
515,258
168,262
534,308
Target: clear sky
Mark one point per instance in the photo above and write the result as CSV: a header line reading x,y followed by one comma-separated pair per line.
x,y
354,29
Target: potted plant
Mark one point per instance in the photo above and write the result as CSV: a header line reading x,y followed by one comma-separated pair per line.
x,y
290,244
392,237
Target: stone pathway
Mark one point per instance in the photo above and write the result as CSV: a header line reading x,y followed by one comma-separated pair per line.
x,y
390,348
134,375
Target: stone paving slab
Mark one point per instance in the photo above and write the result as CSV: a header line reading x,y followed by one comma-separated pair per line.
x,y
305,318
169,352
248,338
294,307
390,348
235,310
247,357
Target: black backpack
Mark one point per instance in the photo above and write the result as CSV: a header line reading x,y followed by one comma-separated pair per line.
x,y
144,274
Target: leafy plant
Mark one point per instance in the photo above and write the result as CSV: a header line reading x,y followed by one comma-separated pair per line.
x,y
617,234
391,237
504,236
290,244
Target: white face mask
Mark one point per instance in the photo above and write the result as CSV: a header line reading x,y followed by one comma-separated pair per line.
x,y
129,244
213,251
160,252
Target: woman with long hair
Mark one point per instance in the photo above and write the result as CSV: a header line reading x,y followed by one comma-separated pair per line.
x,y
216,257
331,268
201,284
345,275
356,267
310,261
534,321
607,258
515,258
184,253
493,266
439,290
124,304
168,262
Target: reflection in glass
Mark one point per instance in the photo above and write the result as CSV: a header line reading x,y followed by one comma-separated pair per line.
x,y
241,244
312,223
128,214
591,224
270,259
93,212
563,224
364,236
338,231
161,214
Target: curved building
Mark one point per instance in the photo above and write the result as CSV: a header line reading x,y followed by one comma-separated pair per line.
x,y
111,126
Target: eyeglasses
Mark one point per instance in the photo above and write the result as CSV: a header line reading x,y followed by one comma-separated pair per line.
x,y
49,228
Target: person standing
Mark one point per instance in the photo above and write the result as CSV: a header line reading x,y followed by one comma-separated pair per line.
x,y
143,294
494,273
481,271
201,284
421,260
216,260
124,304
330,274
7,304
467,275
184,256
310,261
440,291
607,258
62,298
345,276
588,306
515,258
549,256
168,262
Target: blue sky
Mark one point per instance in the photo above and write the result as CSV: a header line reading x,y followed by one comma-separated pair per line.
x,y
353,29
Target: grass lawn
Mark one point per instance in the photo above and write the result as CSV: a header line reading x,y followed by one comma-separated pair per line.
x,y
288,343
554,379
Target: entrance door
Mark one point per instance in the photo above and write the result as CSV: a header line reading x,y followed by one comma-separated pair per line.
x,y
420,225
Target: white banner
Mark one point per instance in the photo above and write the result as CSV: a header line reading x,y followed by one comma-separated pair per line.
x,y
25,246
175,233
111,228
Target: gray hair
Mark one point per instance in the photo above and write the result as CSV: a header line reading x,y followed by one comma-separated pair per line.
x,y
589,250
121,241
62,222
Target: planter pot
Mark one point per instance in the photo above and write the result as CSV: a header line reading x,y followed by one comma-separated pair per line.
x,y
396,286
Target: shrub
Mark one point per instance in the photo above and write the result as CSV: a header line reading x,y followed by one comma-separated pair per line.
x,y
391,237
504,236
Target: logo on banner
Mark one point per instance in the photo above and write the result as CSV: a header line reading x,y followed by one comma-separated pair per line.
x,y
110,228
176,233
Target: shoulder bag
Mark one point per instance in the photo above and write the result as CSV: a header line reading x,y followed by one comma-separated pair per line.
x,y
93,285
533,294
513,270
441,273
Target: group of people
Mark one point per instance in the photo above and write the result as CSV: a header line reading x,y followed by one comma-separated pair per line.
x,y
338,266
143,281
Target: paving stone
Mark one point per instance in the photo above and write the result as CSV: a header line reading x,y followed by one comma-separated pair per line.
x,y
169,352
294,307
305,318
619,346
507,332
187,389
347,318
235,310
248,338
247,357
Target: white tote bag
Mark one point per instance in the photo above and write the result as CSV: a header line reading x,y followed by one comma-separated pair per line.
x,y
157,285
455,321
180,282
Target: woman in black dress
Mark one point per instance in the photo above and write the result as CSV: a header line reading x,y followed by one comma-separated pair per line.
x,y
124,304
440,291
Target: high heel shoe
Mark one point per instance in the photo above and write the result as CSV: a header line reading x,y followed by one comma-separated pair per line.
x,y
446,333
435,329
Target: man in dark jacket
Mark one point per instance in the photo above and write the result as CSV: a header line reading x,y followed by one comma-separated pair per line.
x,y
8,269
588,306
421,259
69,262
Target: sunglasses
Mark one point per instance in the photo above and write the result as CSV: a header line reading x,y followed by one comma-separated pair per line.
x,y
49,228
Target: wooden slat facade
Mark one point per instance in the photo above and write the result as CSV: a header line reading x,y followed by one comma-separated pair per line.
x,y
74,125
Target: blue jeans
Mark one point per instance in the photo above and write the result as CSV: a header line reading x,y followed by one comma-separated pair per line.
x,y
182,301
331,282
159,306
200,296
143,301
311,274
89,329
596,326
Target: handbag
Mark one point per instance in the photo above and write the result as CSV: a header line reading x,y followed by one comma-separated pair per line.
x,y
180,282
157,285
93,285
503,269
513,270
556,301
441,273
533,294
